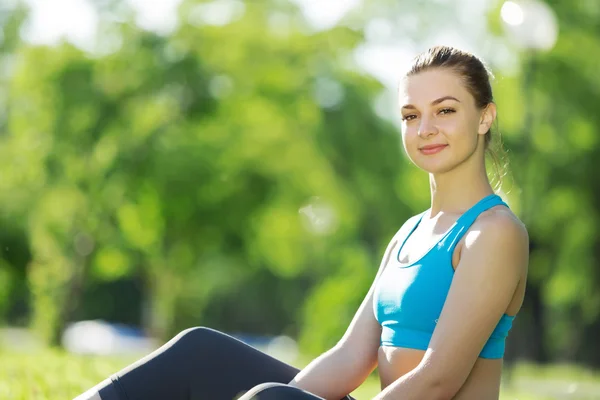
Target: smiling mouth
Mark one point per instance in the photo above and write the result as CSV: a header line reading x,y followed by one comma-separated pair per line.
x,y
428,150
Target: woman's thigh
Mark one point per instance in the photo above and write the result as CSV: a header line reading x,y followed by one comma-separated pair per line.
x,y
199,363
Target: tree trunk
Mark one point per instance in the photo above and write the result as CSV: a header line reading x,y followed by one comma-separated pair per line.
x,y
536,310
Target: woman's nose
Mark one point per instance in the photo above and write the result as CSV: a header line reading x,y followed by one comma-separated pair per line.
x,y
427,128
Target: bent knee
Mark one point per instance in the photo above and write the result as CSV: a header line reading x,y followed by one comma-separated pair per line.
x,y
196,337
267,386
272,391
197,331
261,389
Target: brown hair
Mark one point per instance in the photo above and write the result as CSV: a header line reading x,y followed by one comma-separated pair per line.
x,y
477,80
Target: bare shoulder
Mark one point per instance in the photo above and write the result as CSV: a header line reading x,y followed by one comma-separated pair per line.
x,y
501,221
499,232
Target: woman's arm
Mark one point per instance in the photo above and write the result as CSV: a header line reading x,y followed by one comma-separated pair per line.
x,y
493,261
334,374
342,369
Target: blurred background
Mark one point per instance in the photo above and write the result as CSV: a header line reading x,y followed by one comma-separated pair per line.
x,y
238,165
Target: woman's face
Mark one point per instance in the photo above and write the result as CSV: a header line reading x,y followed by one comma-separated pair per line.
x,y
441,125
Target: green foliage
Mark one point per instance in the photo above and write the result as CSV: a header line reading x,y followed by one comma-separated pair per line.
x,y
195,166
548,118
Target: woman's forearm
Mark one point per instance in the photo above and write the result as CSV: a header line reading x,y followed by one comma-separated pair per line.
x,y
334,374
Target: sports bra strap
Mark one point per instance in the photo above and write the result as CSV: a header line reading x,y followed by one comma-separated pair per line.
x,y
465,221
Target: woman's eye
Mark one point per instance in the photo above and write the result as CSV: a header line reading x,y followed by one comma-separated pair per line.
x,y
446,111
409,117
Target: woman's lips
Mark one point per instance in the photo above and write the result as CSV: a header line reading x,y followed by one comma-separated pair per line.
x,y
433,149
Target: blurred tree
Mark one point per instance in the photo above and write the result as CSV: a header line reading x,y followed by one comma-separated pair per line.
x,y
194,166
553,155
14,251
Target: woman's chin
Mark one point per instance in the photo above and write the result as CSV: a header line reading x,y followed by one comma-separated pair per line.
x,y
434,168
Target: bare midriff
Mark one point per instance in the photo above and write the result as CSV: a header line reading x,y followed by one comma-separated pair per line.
x,y
483,382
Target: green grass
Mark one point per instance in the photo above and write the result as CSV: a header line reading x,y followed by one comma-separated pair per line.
x,y
54,374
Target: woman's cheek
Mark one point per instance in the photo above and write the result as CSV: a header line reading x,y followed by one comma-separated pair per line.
x,y
410,145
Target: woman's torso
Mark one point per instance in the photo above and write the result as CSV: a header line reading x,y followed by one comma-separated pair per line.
x,y
483,382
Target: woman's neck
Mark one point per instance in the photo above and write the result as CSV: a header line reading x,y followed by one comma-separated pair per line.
x,y
459,189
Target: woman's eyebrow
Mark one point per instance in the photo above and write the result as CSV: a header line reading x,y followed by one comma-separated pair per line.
x,y
433,103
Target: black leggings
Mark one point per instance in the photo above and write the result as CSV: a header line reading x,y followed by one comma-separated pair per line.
x,y
205,364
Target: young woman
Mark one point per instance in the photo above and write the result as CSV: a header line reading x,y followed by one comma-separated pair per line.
x,y
438,312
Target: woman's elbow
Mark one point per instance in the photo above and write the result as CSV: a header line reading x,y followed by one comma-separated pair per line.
x,y
442,389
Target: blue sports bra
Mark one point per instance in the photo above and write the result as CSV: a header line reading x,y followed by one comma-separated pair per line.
x,y
408,299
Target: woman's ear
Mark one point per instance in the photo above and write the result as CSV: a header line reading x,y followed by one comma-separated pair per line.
x,y
488,116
